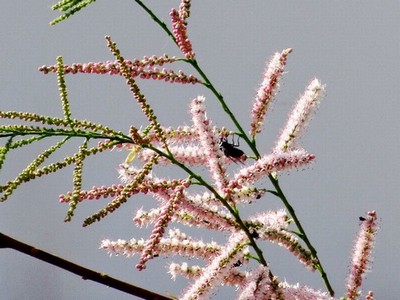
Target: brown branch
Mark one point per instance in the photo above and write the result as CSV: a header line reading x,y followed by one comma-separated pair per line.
x,y
86,274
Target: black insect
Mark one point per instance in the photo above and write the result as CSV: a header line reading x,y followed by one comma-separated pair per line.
x,y
255,235
231,150
361,219
238,263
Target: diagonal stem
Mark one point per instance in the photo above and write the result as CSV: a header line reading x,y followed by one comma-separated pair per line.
x,y
86,274
157,20
303,235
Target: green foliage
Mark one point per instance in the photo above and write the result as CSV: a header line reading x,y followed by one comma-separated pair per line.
x,y
47,127
70,7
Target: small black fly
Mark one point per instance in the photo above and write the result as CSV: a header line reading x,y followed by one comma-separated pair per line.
x,y
231,150
238,263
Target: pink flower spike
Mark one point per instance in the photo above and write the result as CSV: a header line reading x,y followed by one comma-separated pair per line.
x,y
192,154
167,247
122,247
297,291
258,286
204,215
300,116
271,163
276,220
180,32
162,222
267,90
209,142
289,241
219,268
190,272
362,254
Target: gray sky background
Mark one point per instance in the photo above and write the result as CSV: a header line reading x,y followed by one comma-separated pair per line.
x,y
352,46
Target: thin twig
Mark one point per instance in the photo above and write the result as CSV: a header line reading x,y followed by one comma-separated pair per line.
x,y
86,274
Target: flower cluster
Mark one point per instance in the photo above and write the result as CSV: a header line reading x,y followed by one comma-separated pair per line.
x,y
219,182
147,68
208,211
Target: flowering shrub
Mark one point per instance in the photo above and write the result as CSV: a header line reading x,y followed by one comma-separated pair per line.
x,y
208,196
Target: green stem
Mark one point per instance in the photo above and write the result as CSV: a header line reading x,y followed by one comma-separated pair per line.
x,y
303,235
157,20
45,132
